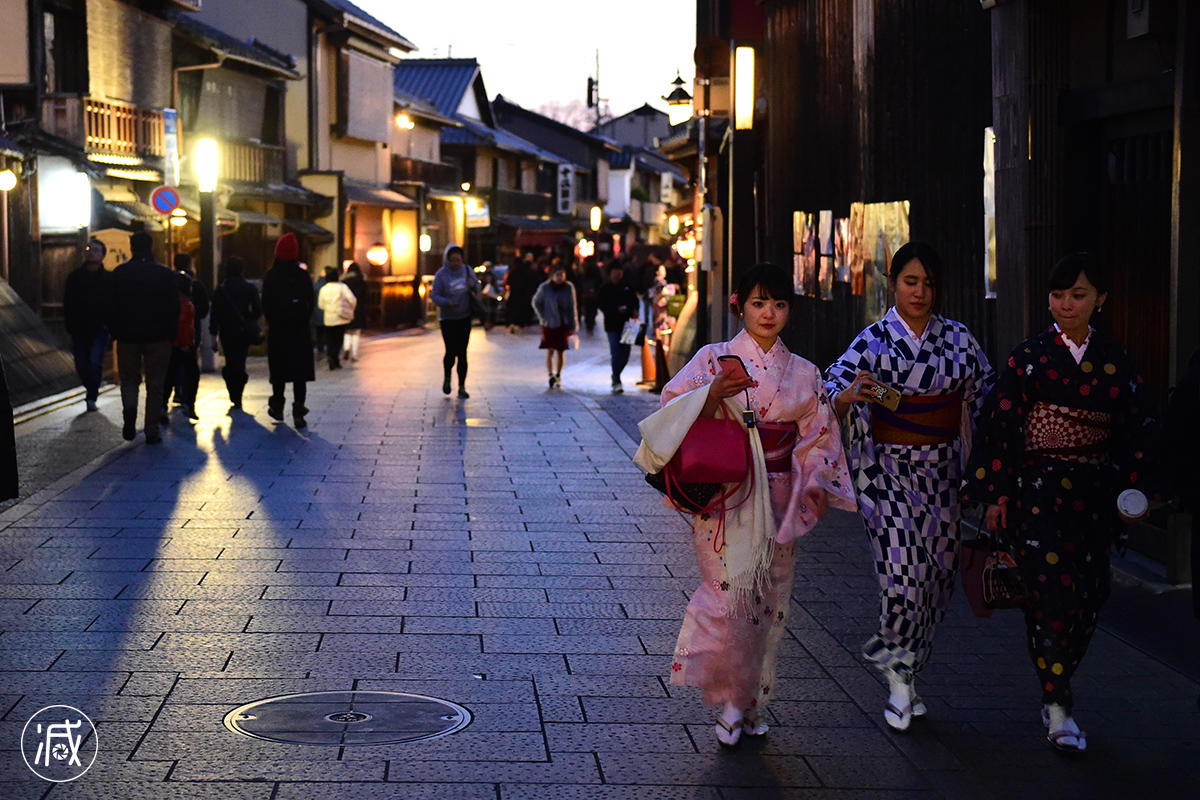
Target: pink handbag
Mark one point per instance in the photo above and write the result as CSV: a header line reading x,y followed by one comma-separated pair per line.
x,y
715,450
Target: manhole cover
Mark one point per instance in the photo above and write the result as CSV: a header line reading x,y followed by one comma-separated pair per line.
x,y
348,718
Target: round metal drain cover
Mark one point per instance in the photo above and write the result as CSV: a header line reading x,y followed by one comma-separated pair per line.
x,y
348,718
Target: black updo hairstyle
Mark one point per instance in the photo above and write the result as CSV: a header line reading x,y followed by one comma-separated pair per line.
x,y
1067,271
775,283
930,260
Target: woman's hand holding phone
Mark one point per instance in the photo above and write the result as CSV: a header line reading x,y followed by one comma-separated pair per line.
x,y
732,379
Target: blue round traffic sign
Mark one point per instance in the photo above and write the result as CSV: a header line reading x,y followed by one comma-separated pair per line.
x,y
165,199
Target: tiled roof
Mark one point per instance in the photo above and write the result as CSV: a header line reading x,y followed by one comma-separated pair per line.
x,y
475,133
346,7
250,52
440,81
10,148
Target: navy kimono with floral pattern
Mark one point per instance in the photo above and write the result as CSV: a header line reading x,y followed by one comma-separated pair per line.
x,y
1058,441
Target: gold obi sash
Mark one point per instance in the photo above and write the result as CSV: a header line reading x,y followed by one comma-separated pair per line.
x,y
919,420
1067,434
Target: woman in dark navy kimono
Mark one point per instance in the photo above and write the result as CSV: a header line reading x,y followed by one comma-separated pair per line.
x,y
1067,429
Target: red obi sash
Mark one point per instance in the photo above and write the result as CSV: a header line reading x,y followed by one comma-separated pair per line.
x,y
778,441
919,420
1068,434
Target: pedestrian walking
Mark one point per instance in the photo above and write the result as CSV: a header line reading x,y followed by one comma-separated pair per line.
x,y
558,312
287,300
453,286
144,319
318,316
234,323
618,302
85,303
337,303
746,552
183,373
8,443
183,370
1070,427
588,280
353,335
520,282
906,461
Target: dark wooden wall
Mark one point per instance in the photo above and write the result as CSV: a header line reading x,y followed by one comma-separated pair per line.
x,y
877,100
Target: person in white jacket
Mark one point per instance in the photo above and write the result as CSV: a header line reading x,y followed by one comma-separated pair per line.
x,y
337,304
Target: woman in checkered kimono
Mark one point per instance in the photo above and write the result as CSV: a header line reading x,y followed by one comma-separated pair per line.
x,y
906,462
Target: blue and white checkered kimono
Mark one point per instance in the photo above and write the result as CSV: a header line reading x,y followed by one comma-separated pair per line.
x,y
908,495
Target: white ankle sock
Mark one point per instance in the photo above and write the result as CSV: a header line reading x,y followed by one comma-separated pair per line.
x,y
1060,720
900,691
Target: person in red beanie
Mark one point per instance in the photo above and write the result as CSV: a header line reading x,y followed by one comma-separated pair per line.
x,y
287,301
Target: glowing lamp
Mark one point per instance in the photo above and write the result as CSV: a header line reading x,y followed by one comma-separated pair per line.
x,y
743,88
206,165
673,224
377,255
466,186
179,222
425,243
679,102
178,212
595,217
404,122
8,179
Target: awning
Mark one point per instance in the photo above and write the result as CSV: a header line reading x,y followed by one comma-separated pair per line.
x,y
121,214
309,230
256,218
534,224
376,196
539,238
224,215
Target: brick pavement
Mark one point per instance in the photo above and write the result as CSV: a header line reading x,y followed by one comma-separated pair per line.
x,y
502,553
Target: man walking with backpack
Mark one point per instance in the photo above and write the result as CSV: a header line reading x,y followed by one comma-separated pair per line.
x,y
144,319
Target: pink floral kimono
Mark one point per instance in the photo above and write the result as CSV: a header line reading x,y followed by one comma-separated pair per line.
x,y
727,650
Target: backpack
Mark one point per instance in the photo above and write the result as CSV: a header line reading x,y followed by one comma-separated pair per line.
x,y
346,305
185,334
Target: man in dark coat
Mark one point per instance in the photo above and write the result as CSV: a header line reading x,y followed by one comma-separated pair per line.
x,y
8,443
85,303
235,313
288,304
143,318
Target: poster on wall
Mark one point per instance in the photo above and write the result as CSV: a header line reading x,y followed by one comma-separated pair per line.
x,y
854,248
884,229
804,253
825,255
841,248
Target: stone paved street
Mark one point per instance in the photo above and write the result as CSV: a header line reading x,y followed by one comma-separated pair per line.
x,y
503,553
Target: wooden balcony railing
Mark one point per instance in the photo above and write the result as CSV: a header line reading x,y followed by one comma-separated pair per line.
x,y
250,162
414,170
512,203
105,127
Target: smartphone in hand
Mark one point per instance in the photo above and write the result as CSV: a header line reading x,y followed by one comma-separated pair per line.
x,y
884,395
733,366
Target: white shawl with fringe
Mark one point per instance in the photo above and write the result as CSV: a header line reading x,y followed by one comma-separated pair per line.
x,y
750,526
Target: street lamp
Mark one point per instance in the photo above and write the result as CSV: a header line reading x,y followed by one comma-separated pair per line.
x,y
206,159
679,102
743,88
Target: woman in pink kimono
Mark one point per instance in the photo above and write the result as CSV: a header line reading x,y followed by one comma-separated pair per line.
x,y
735,619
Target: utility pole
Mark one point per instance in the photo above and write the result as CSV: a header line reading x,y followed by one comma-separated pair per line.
x,y
593,90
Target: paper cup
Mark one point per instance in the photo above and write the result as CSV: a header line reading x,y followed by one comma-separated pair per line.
x,y
1132,504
